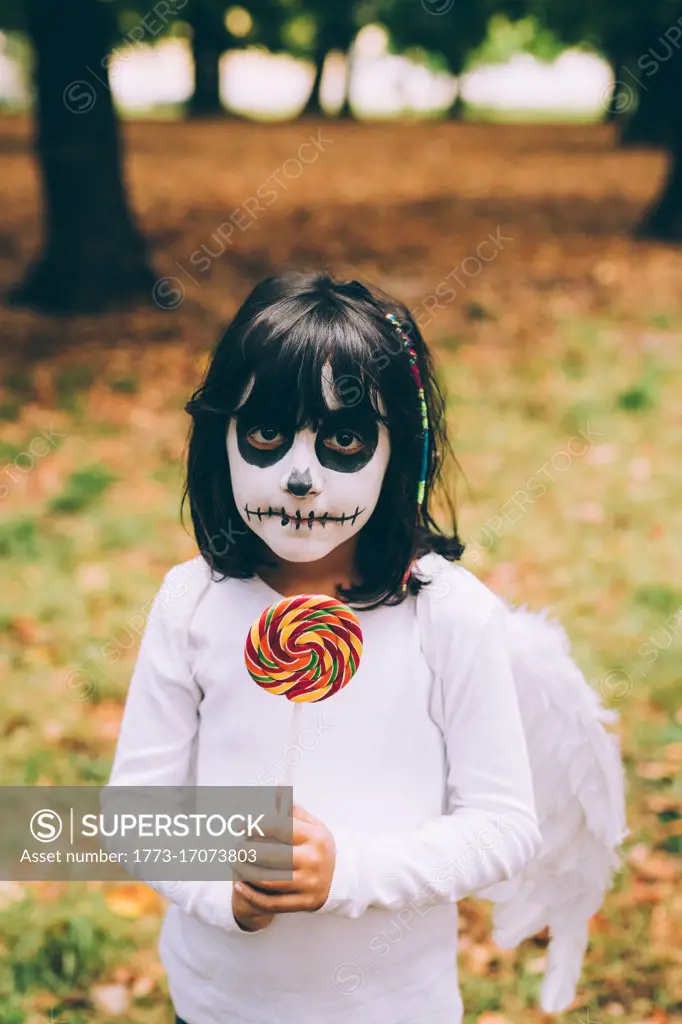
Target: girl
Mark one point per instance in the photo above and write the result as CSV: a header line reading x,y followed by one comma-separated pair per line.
x,y
317,445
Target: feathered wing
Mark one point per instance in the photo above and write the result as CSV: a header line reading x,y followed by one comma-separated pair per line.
x,y
579,791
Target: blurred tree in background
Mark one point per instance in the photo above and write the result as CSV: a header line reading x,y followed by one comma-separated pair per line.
x,y
94,255
642,41
313,29
210,38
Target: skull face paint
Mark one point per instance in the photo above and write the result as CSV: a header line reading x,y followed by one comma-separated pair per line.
x,y
305,491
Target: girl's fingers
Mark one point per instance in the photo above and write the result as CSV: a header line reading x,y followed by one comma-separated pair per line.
x,y
271,904
261,884
268,877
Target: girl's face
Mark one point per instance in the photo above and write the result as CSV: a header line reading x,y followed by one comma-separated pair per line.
x,y
304,492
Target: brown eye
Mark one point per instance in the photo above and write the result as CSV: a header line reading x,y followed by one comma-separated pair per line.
x,y
265,438
345,442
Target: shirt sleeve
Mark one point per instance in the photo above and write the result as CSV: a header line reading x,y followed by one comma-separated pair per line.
x,y
160,722
489,831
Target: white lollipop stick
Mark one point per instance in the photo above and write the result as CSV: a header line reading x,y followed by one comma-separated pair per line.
x,y
294,730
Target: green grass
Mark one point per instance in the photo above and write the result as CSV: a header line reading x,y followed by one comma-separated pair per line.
x,y
19,539
126,385
520,115
659,598
82,489
57,950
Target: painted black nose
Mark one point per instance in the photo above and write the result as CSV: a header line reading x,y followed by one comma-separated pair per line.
x,y
299,483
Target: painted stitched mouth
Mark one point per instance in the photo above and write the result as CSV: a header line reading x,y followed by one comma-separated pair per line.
x,y
297,519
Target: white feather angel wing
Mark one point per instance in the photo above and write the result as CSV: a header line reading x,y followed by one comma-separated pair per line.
x,y
579,792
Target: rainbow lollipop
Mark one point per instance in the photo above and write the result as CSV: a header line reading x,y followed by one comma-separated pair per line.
x,y
305,648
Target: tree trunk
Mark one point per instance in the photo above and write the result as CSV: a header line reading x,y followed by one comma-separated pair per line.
x,y
345,111
649,124
663,220
206,51
654,78
618,97
456,111
210,40
613,114
93,255
336,31
313,107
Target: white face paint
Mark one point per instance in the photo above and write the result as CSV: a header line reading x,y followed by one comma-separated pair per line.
x,y
306,493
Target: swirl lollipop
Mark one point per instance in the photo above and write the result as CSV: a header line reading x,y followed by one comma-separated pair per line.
x,y
305,648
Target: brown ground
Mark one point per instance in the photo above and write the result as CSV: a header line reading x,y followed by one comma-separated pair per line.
x,y
401,205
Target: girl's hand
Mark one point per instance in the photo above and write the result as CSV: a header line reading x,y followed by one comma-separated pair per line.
x,y
314,857
246,915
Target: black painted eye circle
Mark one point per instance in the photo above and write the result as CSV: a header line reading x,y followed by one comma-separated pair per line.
x,y
345,442
265,438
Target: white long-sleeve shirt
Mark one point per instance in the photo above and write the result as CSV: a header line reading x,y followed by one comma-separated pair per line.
x,y
418,767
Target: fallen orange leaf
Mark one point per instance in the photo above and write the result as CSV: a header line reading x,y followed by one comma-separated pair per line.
x,y
105,720
133,900
661,802
658,867
655,770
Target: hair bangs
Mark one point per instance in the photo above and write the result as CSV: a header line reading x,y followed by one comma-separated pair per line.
x,y
307,366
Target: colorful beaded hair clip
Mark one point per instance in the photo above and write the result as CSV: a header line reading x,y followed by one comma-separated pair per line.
x,y
414,366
